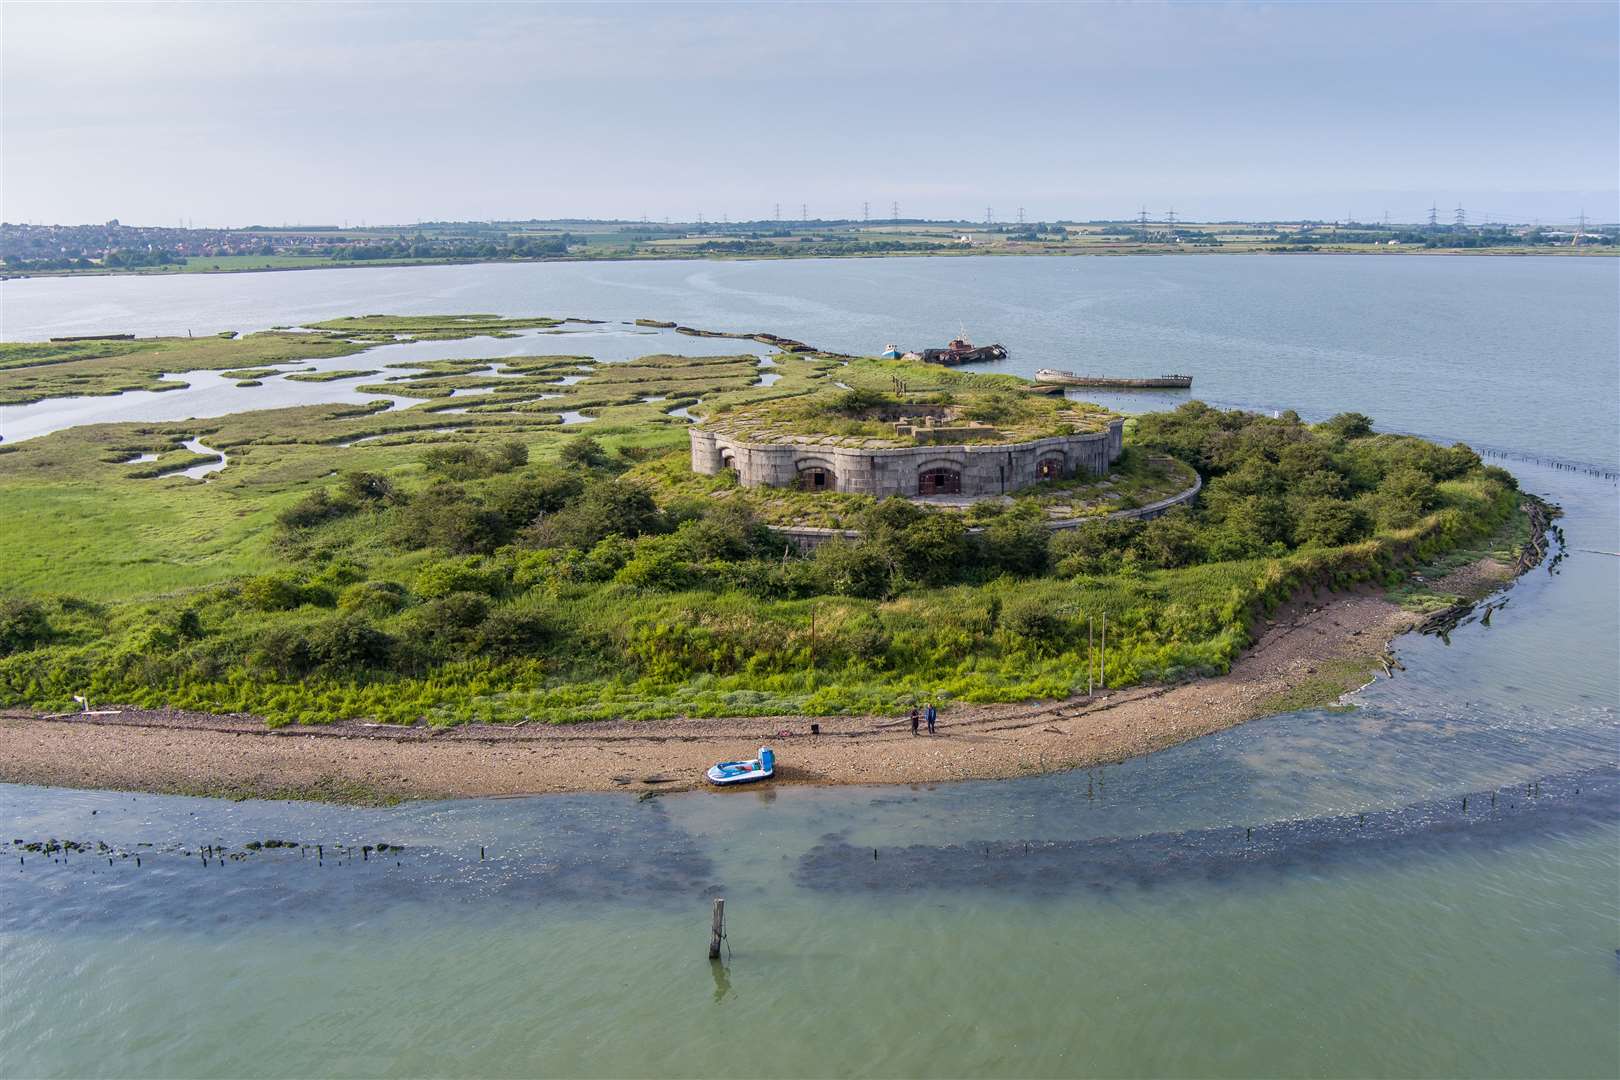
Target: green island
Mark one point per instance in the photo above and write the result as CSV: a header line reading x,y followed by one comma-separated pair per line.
x,y
499,563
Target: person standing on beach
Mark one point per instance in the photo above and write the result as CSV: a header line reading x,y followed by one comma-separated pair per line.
x,y
915,717
933,714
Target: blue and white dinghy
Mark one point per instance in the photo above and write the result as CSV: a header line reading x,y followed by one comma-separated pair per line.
x,y
744,772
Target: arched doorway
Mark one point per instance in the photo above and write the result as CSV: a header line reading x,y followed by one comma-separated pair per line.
x,y
1049,468
939,481
817,478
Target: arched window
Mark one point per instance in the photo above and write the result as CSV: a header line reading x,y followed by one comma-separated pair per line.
x,y
816,478
939,482
728,461
1049,468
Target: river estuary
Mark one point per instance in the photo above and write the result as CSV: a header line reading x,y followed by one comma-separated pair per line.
x,y
1425,885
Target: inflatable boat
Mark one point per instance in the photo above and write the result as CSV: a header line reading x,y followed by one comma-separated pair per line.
x,y
744,772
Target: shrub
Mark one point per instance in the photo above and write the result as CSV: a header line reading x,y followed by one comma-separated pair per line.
x,y
445,516
372,597
582,452
272,592
853,569
469,575
316,508
448,624
1017,542
867,639
657,566
522,499
1346,426
23,626
511,633
1328,523
369,487
1034,622
283,651
606,508
1093,548
728,531
349,642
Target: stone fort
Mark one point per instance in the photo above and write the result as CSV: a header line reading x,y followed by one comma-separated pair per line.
x,y
935,466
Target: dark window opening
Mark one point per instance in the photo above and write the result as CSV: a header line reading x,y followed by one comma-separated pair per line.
x,y
818,480
1050,469
939,482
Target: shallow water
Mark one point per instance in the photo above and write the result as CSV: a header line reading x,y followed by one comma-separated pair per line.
x,y
1517,353
1370,924
206,394
1305,894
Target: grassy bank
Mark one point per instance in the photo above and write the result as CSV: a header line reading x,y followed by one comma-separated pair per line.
x,y
510,569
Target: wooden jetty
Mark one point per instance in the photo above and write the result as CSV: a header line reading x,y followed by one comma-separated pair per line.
x,y
1051,376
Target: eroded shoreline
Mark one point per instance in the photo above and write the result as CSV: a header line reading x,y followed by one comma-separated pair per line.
x,y
1309,653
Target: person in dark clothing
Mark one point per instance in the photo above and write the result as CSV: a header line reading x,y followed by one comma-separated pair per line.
x,y
915,717
933,714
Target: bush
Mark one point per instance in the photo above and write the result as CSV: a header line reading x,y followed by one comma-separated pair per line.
x,y
23,626
469,575
1034,622
448,624
853,569
316,508
606,508
369,487
349,642
1329,523
1346,426
523,499
283,651
867,639
921,546
272,592
728,531
582,452
511,633
657,566
1016,543
463,461
445,516
1093,548
372,597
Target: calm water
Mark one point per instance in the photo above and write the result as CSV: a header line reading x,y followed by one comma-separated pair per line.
x,y
203,394
1518,353
1368,924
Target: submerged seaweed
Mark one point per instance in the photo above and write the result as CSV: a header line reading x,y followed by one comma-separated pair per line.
x,y
1481,819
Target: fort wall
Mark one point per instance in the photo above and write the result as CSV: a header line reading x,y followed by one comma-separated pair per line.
x,y
961,469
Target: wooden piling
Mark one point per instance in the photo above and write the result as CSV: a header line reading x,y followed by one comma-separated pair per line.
x,y
717,928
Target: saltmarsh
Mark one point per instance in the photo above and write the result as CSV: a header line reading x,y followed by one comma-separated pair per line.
x,y
507,568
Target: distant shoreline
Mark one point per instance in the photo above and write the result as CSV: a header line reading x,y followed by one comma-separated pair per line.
x,y
1308,655
382,264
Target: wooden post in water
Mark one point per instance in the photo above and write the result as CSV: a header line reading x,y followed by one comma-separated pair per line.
x,y
717,928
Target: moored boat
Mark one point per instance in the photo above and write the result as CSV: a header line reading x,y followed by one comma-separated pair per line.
x,y
1069,378
744,772
962,351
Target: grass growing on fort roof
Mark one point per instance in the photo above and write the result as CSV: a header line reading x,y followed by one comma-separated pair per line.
x,y
867,411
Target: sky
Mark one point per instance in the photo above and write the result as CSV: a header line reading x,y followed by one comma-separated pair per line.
x,y
268,113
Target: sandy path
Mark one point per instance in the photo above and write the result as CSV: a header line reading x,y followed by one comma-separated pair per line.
x,y
239,756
